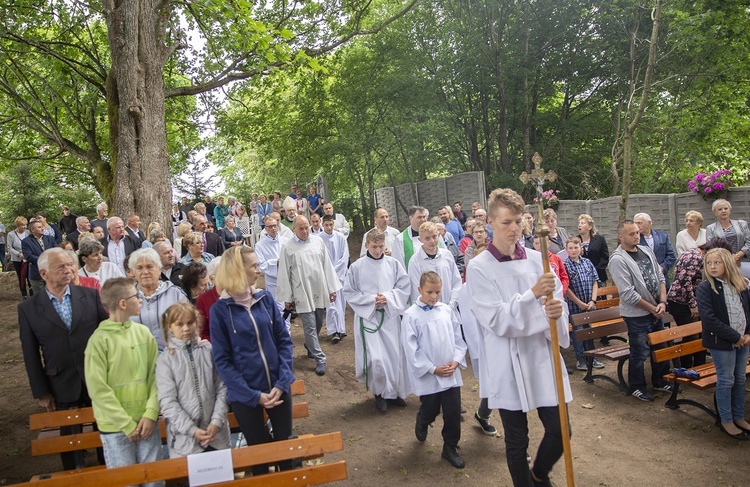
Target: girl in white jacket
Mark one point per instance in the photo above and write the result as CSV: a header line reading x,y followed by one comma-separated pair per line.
x,y
192,396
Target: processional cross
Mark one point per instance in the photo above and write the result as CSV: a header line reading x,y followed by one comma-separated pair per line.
x,y
538,177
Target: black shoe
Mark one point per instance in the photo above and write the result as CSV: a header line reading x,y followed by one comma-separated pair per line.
x,y
335,339
666,387
420,430
381,404
487,428
450,454
742,435
342,335
542,483
643,395
320,369
397,402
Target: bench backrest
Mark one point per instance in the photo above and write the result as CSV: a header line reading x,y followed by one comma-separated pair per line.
x,y
611,295
590,317
677,350
91,439
601,331
242,459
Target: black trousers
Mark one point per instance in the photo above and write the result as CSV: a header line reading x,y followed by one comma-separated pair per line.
x,y
74,460
253,426
550,450
450,401
682,316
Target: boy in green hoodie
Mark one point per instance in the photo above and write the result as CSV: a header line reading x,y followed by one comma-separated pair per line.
x,y
120,361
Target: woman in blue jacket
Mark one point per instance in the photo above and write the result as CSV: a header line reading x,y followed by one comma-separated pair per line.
x,y
252,350
724,307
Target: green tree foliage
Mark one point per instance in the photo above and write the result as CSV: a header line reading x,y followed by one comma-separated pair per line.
x,y
481,85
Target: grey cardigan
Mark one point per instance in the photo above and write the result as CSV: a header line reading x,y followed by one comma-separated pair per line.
x,y
630,283
740,228
191,396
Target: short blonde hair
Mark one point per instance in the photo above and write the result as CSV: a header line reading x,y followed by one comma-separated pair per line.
x,y
183,229
115,289
431,277
192,238
587,218
20,221
504,198
230,275
695,214
428,227
549,212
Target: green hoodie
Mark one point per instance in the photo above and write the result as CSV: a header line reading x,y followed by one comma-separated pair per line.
x,y
120,373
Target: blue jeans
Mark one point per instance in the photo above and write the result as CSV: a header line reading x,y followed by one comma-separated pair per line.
x,y
730,383
119,451
579,347
638,329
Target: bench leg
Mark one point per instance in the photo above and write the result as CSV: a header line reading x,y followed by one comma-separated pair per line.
x,y
674,403
589,379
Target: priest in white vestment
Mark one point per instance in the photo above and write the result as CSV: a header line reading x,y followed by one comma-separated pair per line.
x,y
407,242
508,291
430,257
338,251
381,223
307,279
284,231
340,224
268,250
377,289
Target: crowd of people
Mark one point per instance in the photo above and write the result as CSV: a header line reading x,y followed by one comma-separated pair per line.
x,y
208,340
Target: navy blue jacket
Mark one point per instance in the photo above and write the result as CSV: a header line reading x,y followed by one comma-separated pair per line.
x,y
32,250
717,333
663,250
237,354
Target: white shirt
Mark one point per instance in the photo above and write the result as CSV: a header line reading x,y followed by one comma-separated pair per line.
x,y
390,237
445,266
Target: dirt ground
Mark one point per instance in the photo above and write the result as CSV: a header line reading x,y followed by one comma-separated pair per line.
x,y
617,440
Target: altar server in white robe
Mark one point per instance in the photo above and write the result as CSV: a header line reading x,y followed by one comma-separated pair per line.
x,y
407,242
377,289
338,251
341,224
430,257
435,349
508,288
381,223
308,280
268,249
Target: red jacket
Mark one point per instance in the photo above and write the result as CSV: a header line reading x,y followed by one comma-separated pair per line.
x,y
203,304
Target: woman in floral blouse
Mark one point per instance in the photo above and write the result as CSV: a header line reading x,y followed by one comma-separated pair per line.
x,y
681,300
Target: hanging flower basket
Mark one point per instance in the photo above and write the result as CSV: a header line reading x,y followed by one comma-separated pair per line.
x,y
711,186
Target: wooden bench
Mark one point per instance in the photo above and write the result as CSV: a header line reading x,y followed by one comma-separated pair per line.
x,y
609,297
605,324
672,351
242,459
49,423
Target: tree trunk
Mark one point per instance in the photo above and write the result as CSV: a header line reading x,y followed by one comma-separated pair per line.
x,y
137,45
632,124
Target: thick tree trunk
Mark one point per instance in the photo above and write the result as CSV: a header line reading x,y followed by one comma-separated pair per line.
x,y
142,178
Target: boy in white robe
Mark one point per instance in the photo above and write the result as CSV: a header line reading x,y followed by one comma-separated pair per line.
x,y
268,249
338,251
508,290
430,257
377,289
308,280
434,351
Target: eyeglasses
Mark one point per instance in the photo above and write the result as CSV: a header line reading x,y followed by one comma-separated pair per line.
x,y
130,297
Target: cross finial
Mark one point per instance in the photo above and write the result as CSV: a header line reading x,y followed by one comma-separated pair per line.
x,y
538,176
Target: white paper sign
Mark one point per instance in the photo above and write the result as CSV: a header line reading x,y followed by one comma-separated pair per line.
x,y
210,467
